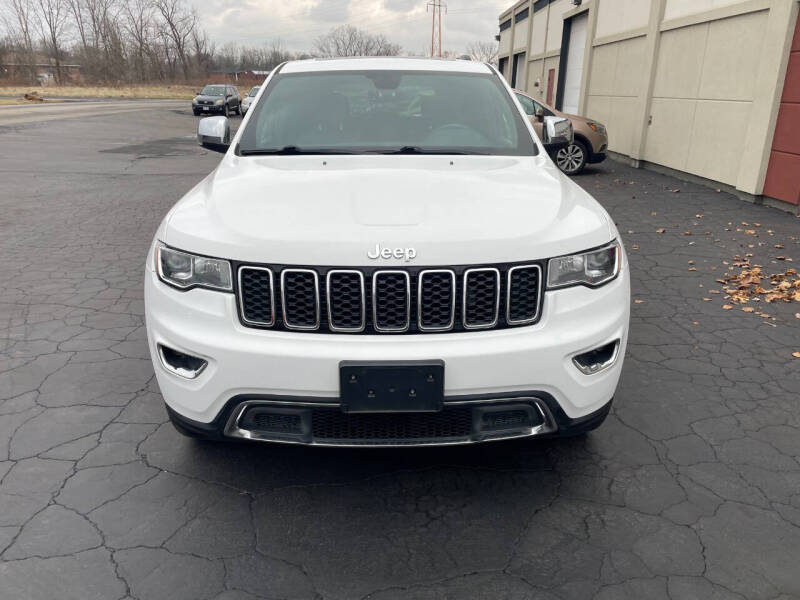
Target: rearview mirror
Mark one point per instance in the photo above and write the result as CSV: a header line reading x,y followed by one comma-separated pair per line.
x,y
557,133
214,133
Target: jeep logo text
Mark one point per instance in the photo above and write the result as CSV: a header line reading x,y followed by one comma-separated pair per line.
x,y
404,254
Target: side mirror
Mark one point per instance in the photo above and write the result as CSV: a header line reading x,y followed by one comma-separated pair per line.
x,y
539,114
214,133
557,133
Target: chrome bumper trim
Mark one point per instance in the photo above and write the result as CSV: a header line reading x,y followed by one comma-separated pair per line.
x,y
233,430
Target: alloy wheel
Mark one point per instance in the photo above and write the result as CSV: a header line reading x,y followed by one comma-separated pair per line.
x,y
570,159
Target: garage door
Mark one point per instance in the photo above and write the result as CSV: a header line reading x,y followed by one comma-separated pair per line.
x,y
574,70
783,172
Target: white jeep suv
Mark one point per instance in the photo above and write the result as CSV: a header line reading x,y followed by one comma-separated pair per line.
x,y
386,256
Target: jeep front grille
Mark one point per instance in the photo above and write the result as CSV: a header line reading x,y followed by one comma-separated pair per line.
x,y
389,301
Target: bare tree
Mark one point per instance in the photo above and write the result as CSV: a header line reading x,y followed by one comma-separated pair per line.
x,y
483,51
138,25
52,22
20,20
347,40
179,23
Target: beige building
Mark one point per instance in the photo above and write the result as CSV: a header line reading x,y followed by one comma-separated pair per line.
x,y
710,88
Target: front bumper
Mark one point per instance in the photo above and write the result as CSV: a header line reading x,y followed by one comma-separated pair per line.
x,y
201,108
243,363
545,418
596,158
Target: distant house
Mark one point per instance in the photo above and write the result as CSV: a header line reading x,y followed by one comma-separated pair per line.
x,y
235,75
44,68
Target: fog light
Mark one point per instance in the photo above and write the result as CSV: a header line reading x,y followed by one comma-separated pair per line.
x,y
598,359
183,365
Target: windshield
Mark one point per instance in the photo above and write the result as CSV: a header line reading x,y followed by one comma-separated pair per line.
x,y
253,91
386,111
213,90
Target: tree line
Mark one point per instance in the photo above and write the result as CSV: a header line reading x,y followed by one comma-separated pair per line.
x,y
135,41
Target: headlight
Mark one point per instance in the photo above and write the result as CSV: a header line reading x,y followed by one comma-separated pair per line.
x,y
219,101
596,127
185,271
592,268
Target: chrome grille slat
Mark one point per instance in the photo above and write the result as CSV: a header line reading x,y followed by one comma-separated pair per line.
x,y
340,301
256,309
481,298
385,306
305,317
429,312
524,282
402,300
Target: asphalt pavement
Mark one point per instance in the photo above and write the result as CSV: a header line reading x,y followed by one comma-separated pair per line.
x,y
691,489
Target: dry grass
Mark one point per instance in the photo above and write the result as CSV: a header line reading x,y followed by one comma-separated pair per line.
x,y
178,92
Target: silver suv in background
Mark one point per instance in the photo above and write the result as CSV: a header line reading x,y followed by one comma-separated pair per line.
x,y
250,98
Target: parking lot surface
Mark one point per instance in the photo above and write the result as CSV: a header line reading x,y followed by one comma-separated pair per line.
x,y
690,490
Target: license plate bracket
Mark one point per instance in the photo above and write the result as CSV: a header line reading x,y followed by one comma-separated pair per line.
x,y
391,386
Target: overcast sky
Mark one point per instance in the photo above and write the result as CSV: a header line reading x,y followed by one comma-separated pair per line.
x,y
298,22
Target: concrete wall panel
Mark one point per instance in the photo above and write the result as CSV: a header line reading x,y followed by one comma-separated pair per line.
x,y
716,138
680,62
621,126
670,131
505,42
604,68
732,55
539,32
618,16
630,62
682,8
556,23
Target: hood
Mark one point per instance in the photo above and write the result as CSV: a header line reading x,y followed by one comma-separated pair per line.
x,y
207,97
334,210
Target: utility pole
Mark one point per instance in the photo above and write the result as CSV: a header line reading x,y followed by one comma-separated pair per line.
x,y
436,7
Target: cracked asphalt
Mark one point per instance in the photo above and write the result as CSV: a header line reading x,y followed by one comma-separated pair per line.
x,y
691,489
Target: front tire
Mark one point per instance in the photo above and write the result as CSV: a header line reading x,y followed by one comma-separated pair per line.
x,y
226,111
572,159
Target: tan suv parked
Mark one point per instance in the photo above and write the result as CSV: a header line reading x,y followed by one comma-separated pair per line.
x,y
590,141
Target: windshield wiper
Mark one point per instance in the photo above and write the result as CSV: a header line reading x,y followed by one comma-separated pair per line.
x,y
291,150
420,150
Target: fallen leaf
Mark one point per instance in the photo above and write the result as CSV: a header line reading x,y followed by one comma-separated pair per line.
x,y
779,246
796,354
637,301
797,315
660,230
687,233
726,307
709,300
748,309
692,269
